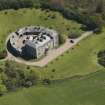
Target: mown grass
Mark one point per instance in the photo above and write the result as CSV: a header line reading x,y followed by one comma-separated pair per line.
x,y
88,90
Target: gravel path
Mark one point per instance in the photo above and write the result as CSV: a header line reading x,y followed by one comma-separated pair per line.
x,y
53,54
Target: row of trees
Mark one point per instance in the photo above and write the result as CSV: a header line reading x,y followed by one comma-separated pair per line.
x,y
89,12
15,4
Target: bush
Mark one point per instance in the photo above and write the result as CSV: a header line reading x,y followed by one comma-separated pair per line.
x,y
61,39
101,58
46,81
2,89
5,12
74,34
3,54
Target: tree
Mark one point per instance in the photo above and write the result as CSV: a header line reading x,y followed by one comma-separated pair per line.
x,y
61,39
2,89
3,54
100,7
74,34
46,81
101,58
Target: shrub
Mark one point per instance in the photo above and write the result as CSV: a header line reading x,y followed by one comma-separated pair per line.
x,y
2,89
74,34
46,81
61,39
101,58
3,54
14,78
5,12
53,70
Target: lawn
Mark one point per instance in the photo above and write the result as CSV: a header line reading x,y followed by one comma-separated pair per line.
x,y
88,90
11,20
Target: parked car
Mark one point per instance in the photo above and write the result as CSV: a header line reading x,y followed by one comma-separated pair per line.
x,y
71,41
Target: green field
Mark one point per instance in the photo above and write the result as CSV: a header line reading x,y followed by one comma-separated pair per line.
x,y
88,90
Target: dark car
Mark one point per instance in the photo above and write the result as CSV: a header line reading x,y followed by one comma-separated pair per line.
x,y
71,41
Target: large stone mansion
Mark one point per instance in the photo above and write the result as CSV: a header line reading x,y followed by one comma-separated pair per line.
x,y
33,42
